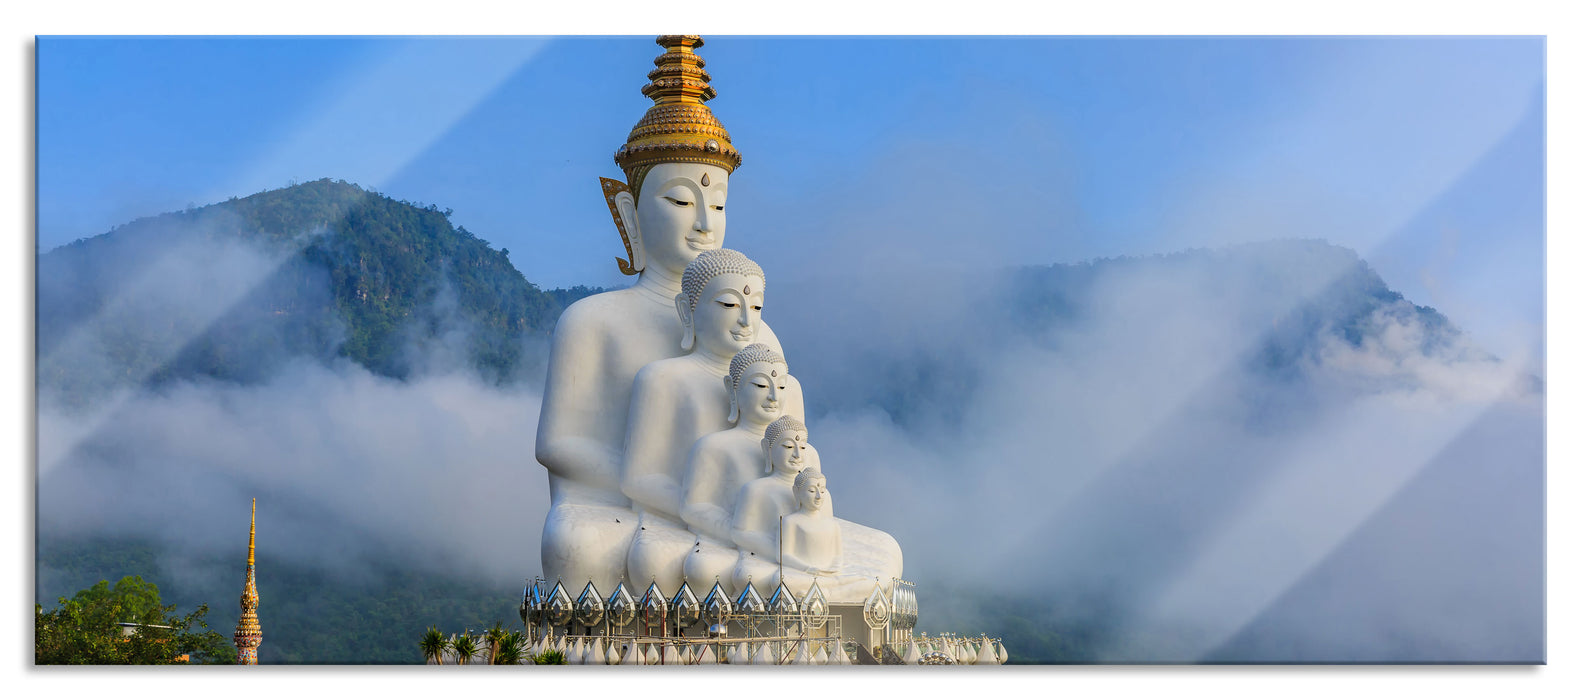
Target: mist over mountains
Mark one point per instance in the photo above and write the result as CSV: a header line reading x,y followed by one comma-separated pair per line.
x,y
1260,452
323,270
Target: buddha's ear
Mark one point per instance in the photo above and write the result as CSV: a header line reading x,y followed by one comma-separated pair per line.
x,y
686,320
735,412
626,210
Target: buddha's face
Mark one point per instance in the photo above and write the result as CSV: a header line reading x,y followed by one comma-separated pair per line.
x,y
678,216
789,455
812,496
727,315
758,396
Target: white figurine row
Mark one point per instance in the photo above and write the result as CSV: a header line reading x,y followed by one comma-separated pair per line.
x,y
978,651
601,651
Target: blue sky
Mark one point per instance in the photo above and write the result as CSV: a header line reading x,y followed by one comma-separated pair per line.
x,y
1424,154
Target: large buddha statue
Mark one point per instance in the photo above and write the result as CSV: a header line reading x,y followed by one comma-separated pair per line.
x,y
677,161
720,463
678,400
617,441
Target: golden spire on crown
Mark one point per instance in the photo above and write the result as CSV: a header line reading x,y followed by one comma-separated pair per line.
x,y
679,128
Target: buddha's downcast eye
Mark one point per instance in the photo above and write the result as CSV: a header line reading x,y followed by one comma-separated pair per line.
x,y
726,304
758,307
679,202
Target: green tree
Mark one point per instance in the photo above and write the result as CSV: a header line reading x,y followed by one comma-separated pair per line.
x,y
88,629
511,649
434,646
466,647
492,640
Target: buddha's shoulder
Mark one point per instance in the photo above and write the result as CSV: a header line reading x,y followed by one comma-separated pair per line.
x,y
655,378
678,371
764,485
609,311
719,442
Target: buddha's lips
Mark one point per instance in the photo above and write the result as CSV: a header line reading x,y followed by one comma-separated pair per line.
x,y
742,335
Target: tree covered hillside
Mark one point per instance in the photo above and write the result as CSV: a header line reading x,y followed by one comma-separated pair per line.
x,y
323,269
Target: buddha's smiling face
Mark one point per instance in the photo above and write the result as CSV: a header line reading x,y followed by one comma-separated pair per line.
x,y
789,455
678,215
728,312
758,395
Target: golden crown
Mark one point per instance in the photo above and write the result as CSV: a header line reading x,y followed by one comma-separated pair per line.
x,y
678,128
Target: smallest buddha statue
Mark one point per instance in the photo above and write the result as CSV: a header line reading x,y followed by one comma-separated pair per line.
x,y
810,537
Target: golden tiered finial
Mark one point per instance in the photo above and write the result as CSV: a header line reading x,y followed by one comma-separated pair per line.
x,y
248,634
252,529
679,128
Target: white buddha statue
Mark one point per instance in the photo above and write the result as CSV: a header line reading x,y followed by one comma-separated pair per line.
x,y
812,546
755,528
846,565
678,400
677,161
810,537
720,463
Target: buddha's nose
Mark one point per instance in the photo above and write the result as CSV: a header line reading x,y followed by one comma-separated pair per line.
x,y
709,220
774,392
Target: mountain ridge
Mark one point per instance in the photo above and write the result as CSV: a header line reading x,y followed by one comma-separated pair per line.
x,y
335,271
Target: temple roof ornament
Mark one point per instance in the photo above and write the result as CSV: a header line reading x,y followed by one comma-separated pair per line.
x,y
621,607
814,602
248,634
533,604
654,606
749,602
686,606
558,609
590,606
716,605
679,128
783,601
875,611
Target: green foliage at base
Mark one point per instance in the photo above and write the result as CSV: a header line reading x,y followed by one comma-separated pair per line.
x,y
434,645
550,657
88,629
308,615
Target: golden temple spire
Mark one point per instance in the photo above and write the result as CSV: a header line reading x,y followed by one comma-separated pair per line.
x,y
252,528
248,634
